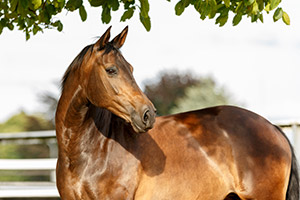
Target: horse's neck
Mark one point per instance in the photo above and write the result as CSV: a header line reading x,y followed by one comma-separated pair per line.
x,y
71,108
70,115
78,121
89,135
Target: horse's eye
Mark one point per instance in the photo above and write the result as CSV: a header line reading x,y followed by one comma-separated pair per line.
x,y
112,70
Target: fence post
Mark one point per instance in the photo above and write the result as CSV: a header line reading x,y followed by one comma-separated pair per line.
x,y
296,135
53,151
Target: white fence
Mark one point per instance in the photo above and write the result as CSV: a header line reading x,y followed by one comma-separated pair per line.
x,y
292,129
38,189
28,189
48,189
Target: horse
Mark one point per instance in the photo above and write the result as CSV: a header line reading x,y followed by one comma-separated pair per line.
x,y
112,146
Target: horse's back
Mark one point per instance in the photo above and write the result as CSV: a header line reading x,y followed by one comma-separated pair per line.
x,y
221,150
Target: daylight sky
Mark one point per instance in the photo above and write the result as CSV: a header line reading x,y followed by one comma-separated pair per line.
x,y
258,63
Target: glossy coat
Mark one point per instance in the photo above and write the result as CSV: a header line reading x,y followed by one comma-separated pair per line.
x,y
217,153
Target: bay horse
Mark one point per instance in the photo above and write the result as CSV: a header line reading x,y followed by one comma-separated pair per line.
x,y
113,147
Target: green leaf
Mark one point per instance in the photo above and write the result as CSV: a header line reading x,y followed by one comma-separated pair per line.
x,y
179,8
59,25
73,4
254,18
261,18
286,18
51,9
207,9
24,3
82,13
44,16
260,4
127,14
255,9
226,2
212,2
10,26
105,16
3,22
239,7
59,4
114,5
36,3
249,2
277,14
35,29
20,10
236,20
186,3
144,8
197,5
268,8
213,12
29,22
146,22
21,23
128,4
27,34
13,5
221,20
96,3
274,4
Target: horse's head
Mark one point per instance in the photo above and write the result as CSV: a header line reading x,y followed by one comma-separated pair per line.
x,y
110,83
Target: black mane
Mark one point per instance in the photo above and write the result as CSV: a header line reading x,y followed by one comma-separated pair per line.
x,y
76,63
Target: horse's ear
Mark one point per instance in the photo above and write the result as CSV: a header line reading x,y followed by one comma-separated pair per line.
x,y
119,40
100,44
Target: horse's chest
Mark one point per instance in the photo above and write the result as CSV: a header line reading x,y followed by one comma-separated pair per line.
x,y
109,179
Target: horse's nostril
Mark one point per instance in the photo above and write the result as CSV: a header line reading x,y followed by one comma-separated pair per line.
x,y
146,116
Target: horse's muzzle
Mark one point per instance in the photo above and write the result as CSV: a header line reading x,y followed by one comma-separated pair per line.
x,y
144,120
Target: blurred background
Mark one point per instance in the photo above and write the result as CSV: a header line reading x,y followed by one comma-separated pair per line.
x,y
183,63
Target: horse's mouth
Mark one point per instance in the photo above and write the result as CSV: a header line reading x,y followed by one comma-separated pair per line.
x,y
139,129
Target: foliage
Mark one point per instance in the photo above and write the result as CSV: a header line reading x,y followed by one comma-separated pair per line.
x,y
175,92
169,86
32,16
23,122
12,175
17,151
205,94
